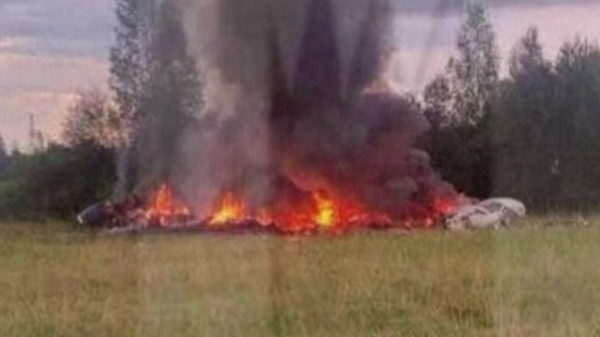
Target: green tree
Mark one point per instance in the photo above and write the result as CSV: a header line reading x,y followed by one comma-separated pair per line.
x,y
59,181
93,120
577,120
130,72
458,106
473,72
527,57
4,157
129,57
157,89
437,97
526,145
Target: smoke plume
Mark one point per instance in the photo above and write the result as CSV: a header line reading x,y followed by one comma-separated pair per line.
x,y
297,102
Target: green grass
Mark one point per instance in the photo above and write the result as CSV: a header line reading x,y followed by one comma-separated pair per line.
x,y
535,281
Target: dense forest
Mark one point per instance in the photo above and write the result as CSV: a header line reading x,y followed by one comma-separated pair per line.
x,y
532,135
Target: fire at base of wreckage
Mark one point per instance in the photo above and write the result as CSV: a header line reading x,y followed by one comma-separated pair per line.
x,y
319,213
337,141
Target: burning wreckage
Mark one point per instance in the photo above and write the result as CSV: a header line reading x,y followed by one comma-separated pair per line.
x,y
323,215
318,141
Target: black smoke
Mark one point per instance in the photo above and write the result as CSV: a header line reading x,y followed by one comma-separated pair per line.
x,y
312,108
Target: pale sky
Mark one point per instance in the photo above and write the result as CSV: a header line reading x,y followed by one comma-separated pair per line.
x,y
51,48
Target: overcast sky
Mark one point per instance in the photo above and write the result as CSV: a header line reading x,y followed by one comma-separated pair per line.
x,y
51,48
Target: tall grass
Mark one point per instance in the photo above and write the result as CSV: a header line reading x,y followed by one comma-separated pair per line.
x,y
536,281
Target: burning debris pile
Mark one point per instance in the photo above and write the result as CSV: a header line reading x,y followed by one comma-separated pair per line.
x,y
318,214
316,140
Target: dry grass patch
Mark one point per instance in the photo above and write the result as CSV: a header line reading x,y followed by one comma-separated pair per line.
x,y
536,281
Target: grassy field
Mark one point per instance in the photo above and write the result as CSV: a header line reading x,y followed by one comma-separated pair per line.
x,y
534,281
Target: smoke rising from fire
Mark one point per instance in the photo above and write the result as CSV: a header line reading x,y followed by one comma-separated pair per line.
x,y
297,103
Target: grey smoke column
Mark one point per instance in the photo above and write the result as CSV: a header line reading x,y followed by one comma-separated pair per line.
x,y
310,72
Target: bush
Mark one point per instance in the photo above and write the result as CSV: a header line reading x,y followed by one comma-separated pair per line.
x,y
57,182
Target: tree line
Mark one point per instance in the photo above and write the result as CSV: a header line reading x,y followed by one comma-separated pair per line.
x,y
112,140
532,134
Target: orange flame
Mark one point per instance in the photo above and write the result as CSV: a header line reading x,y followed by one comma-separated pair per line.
x,y
326,211
317,212
229,210
163,207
